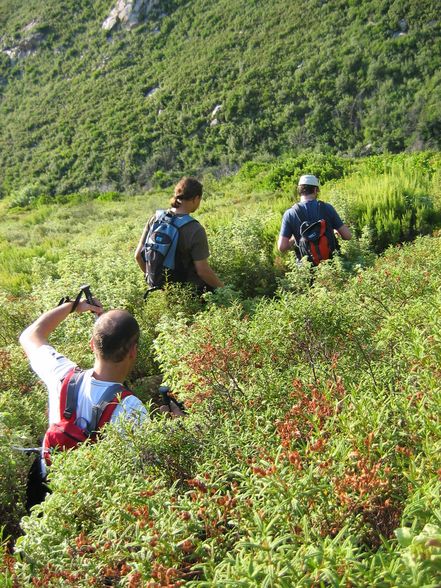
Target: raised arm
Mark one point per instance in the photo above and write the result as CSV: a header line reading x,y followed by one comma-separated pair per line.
x,y
37,334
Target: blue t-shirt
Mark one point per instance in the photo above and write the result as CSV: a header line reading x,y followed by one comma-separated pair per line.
x,y
309,210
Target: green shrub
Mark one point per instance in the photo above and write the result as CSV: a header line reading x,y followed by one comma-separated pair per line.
x,y
284,176
26,196
242,256
393,207
22,424
109,196
15,315
6,562
176,300
14,469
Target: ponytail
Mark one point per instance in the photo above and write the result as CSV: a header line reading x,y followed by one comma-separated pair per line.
x,y
186,189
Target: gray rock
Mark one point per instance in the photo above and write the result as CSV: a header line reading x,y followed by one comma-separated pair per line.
x,y
125,13
403,24
216,110
367,149
110,22
25,48
30,26
129,13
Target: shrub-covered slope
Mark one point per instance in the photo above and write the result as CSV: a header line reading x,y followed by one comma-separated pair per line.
x,y
208,83
311,452
385,200
311,455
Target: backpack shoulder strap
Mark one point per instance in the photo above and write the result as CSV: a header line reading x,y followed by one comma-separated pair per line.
x,y
108,411
180,221
323,210
177,222
69,393
102,412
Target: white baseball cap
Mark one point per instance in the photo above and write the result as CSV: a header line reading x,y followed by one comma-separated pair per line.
x,y
308,180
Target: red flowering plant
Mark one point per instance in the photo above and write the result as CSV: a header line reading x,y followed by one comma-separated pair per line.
x,y
211,360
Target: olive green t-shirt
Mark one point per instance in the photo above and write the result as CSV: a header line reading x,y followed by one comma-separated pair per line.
x,y
192,246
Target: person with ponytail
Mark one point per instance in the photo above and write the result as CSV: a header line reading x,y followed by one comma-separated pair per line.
x,y
192,252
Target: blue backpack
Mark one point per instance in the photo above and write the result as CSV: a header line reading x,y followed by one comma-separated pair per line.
x,y
159,251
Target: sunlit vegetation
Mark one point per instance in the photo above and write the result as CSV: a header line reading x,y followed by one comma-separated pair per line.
x,y
131,109
311,451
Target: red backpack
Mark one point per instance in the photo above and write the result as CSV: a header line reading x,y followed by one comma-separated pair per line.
x,y
317,241
66,434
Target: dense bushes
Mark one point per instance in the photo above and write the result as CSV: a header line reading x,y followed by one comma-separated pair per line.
x,y
311,453
395,204
285,175
242,253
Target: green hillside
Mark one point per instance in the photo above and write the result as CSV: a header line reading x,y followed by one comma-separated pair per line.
x,y
82,107
310,454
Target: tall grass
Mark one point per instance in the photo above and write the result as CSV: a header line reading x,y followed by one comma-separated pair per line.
x,y
394,206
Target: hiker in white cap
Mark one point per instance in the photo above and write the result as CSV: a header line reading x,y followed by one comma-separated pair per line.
x,y
308,226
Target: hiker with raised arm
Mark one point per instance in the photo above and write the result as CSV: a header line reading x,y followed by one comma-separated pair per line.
x,y
174,247
309,226
81,402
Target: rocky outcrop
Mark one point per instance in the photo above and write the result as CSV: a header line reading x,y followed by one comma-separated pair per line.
x,y
403,27
129,13
26,46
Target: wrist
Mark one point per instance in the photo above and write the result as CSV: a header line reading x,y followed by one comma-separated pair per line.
x,y
67,306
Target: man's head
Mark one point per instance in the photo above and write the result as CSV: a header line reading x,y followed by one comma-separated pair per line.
x,y
308,185
114,336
